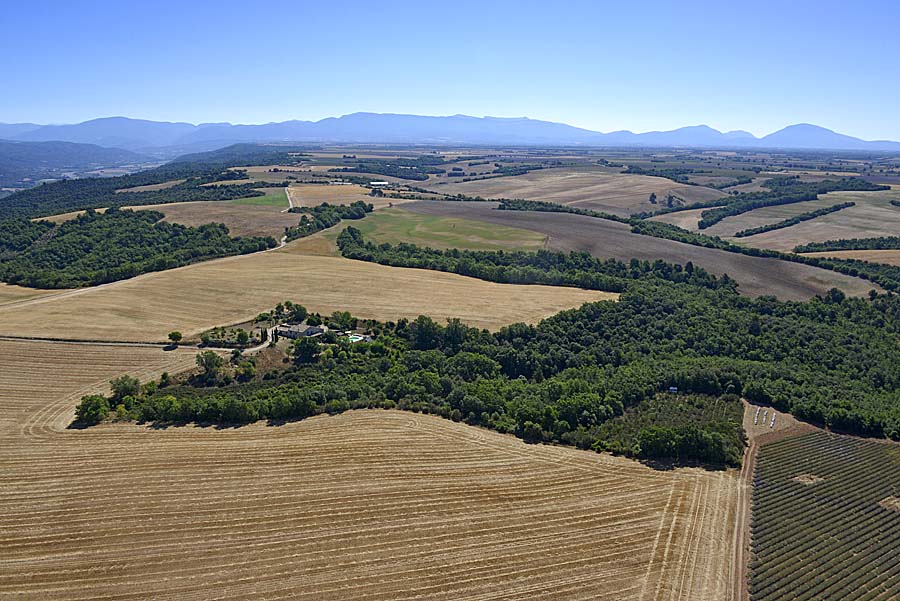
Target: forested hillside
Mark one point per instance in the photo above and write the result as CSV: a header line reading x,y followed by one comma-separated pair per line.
x,y
96,248
593,376
195,170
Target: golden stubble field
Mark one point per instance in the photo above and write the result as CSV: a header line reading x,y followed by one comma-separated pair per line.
x,y
596,189
235,289
365,505
873,216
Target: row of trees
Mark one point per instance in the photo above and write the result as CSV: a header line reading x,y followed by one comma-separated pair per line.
x,y
886,276
324,216
596,376
784,190
880,243
791,221
577,269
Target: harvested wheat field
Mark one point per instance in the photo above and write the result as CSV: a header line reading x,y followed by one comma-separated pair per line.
x,y
609,239
312,195
235,289
241,219
365,505
872,216
590,189
888,257
13,294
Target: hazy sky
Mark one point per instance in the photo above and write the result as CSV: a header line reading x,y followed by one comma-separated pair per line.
x,y
600,65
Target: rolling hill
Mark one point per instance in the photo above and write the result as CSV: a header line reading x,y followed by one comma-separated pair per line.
x,y
24,162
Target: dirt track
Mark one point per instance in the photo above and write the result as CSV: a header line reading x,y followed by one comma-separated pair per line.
x,y
603,238
365,505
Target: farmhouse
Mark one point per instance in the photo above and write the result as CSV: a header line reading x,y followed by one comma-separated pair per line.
x,y
294,331
379,184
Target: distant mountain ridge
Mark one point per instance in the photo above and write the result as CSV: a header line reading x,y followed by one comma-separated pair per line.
x,y
31,161
387,128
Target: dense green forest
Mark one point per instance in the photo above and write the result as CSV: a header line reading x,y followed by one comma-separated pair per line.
x,y
600,376
680,175
882,243
794,220
414,169
197,169
18,234
95,248
315,219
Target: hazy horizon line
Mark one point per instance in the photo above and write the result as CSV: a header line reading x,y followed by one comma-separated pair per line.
x,y
755,133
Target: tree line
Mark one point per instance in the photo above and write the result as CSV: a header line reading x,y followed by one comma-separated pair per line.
x,y
791,221
595,377
784,190
878,243
577,269
886,276
324,216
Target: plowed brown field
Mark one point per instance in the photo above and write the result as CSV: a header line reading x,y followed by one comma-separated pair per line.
x,y
608,239
365,505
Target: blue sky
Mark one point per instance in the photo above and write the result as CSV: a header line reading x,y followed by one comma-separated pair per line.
x,y
600,65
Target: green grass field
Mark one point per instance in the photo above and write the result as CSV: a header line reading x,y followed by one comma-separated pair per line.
x,y
274,198
397,225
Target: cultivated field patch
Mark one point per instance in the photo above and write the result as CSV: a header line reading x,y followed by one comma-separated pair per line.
x,y
872,216
236,289
240,218
608,239
829,539
394,226
13,294
312,195
417,507
597,189
888,257
152,187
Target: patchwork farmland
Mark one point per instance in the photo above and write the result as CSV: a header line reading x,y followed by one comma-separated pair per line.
x,y
603,238
236,289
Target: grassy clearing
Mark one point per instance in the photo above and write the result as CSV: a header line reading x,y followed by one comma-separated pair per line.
x,y
607,239
275,197
241,219
394,226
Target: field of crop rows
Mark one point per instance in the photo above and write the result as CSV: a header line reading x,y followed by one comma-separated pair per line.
x,y
826,520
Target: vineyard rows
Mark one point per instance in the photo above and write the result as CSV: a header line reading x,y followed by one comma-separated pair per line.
x,y
819,528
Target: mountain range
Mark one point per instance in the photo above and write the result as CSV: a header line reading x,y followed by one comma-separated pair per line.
x,y
28,162
165,138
